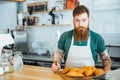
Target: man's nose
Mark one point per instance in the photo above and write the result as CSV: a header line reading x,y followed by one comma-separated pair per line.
x,y
80,23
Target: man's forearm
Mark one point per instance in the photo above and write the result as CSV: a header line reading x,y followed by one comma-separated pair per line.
x,y
106,61
58,56
107,64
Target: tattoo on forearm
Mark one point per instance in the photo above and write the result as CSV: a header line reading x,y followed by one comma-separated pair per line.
x,y
106,60
58,56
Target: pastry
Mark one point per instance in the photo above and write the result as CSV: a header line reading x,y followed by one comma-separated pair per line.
x,y
65,70
99,72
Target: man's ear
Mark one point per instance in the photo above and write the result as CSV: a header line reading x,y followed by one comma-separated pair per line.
x,y
89,19
73,19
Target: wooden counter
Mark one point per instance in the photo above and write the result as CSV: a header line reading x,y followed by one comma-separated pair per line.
x,y
32,73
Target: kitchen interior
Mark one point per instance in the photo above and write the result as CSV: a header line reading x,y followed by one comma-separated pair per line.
x,y
36,26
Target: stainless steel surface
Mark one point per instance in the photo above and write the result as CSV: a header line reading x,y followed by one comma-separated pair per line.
x,y
37,58
115,64
43,39
20,38
114,51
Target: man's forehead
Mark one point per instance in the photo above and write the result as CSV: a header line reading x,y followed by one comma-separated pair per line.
x,y
81,16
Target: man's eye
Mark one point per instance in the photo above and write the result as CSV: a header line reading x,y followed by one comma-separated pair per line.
x,y
77,20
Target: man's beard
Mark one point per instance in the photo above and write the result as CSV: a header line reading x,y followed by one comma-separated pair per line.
x,y
81,35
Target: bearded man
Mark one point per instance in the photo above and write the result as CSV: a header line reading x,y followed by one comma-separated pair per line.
x,y
81,46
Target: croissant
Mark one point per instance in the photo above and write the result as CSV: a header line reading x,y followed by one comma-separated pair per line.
x,y
99,72
74,73
65,70
85,71
89,72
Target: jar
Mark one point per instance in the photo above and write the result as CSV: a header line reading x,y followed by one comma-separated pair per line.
x,y
8,68
1,70
17,60
5,63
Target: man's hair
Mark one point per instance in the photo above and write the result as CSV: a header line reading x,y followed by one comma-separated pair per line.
x,y
79,10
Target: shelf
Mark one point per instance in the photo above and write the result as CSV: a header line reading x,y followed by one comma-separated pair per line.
x,y
64,10
49,25
54,11
42,12
17,0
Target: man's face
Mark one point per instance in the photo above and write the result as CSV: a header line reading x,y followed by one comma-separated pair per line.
x,y
81,26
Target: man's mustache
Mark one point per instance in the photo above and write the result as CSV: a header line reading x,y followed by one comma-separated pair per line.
x,y
81,28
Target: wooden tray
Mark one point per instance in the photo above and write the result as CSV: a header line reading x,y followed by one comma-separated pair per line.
x,y
73,78
102,77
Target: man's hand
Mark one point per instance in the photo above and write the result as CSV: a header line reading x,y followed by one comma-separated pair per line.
x,y
56,66
57,60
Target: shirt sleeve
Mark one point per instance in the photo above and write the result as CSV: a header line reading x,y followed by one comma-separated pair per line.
x,y
101,45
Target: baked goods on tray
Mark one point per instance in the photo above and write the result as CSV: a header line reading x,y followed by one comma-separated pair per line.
x,y
86,71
